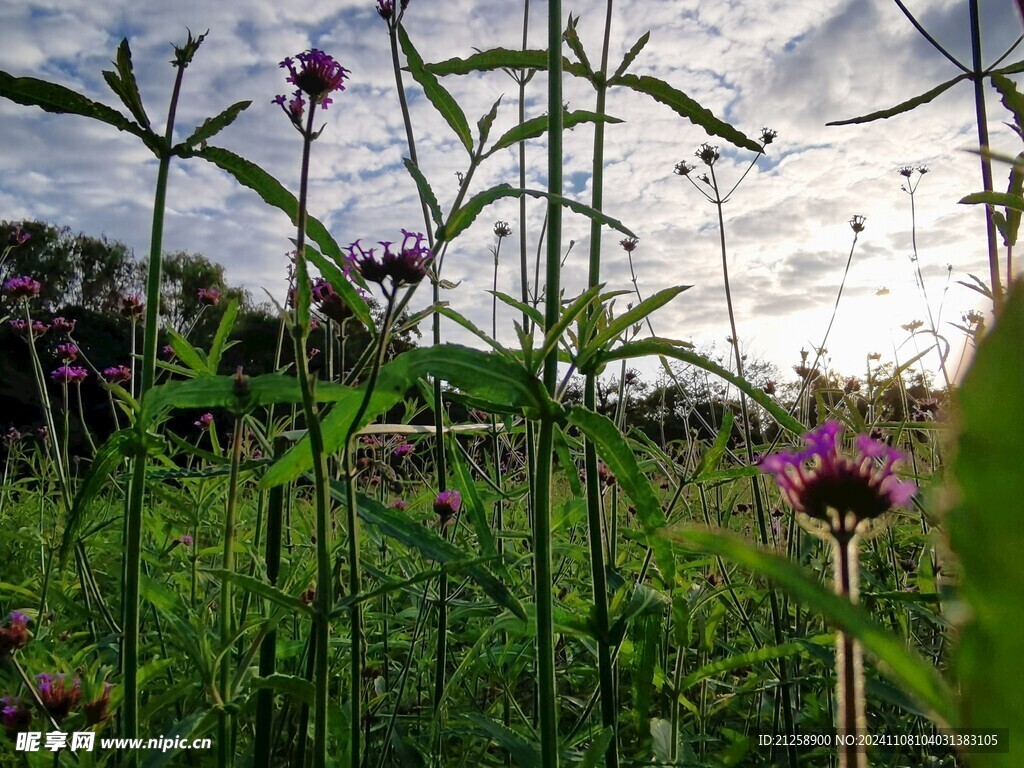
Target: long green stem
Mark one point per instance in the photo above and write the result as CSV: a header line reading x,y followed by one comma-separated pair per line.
x,y
606,671
977,76
849,663
225,746
137,489
547,705
324,597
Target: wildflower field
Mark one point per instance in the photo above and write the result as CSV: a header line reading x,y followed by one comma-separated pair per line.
x,y
321,533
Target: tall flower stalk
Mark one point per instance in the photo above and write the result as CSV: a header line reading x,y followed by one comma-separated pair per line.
x,y
841,499
317,76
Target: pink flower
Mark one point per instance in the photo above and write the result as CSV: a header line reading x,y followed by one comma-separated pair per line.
x,y
117,374
209,297
67,352
819,478
57,696
447,504
70,374
22,288
205,421
64,325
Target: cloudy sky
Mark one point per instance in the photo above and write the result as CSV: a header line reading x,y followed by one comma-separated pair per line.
x,y
792,65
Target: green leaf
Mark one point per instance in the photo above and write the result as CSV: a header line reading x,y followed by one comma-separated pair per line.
x,y
986,534
572,38
342,286
1013,202
429,544
613,448
538,126
683,105
750,659
553,336
51,97
473,505
189,355
273,193
106,461
211,126
488,376
523,753
264,590
122,82
648,347
220,338
504,58
595,752
435,92
631,55
426,193
917,676
485,123
466,215
624,321
906,106
298,688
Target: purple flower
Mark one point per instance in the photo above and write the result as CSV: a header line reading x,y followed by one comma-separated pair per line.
x,y
329,301
67,352
97,710
185,540
404,450
446,505
18,235
819,478
57,696
209,297
11,436
64,325
205,421
70,374
17,715
132,307
405,266
168,351
22,288
117,374
15,634
318,76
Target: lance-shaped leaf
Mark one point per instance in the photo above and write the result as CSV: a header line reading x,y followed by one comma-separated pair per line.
x,y
631,54
485,123
106,461
210,127
426,193
122,82
917,676
624,321
572,39
435,92
617,454
662,349
683,105
220,338
1013,202
907,105
538,126
985,531
334,275
460,219
51,97
425,540
504,58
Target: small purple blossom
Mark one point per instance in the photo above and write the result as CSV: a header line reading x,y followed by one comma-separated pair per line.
x,y
209,297
57,696
185,540
70,374
446,505
405,266
22,288
117,374
11,436
17,714
205,421
132,307
63,325
15,634
67,352
819,479
318,75
330,302
18,235
404,450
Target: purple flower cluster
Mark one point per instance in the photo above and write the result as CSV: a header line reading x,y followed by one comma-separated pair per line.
x,y
15,634
67,352
329,301
20,325
22,288
205,421
132,307
58,696
70,374
405,266
117,374
209,297
446,506
63,325
17,715
318,75
819,478
19,236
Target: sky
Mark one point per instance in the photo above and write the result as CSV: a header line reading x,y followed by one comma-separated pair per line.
x,y
790,65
